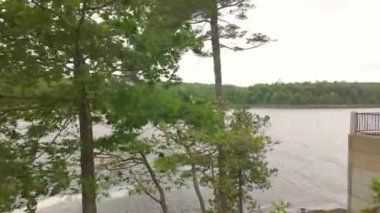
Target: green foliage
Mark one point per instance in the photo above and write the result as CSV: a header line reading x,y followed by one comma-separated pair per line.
x,y
376,190
315,93
148,164
280,207
202,11
376,197
41,86
246,147
186,146
55,56
34,156
9,168
320,93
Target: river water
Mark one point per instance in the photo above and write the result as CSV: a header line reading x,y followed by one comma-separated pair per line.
x,y
311,159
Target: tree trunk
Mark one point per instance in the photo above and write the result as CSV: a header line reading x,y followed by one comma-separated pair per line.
x,y
222,195
195,180
87,156
216,52
241,193
133,76
197,189
215,189
164,207
156,182
88,180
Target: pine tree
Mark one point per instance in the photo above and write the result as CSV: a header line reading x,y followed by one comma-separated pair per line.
x,y
59,60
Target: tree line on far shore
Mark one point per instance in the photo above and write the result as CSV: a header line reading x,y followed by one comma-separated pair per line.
x,y
306,93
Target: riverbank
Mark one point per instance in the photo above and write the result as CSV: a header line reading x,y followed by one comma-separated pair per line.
x,y
311,106
179,201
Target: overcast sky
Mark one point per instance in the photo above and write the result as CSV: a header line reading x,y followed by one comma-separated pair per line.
x,y
318,40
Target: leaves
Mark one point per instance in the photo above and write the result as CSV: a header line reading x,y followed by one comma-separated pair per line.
x,y
72,3
200,12
166,163
280,207
54,55
40,42
376,189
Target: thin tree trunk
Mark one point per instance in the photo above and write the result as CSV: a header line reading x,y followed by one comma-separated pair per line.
x,y
216,52
197,189
31,205
156,182
195,180
215,188
241,193
222,195
87,155
133,76
88,180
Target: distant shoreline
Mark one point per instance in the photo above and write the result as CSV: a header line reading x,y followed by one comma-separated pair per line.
x,y
311,106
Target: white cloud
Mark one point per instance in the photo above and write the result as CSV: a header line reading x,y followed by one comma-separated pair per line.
x,y
317,40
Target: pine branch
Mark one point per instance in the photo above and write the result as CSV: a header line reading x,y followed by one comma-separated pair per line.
x,y
200,21
237,48
151,171
119,167
4,111
52,12
203,171
146,191
238,3
63,127
82,15
104,155
99,7
42,98
201,53
224,21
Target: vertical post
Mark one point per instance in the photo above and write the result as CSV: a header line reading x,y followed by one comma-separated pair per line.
x,y
353,122
349,173
353,130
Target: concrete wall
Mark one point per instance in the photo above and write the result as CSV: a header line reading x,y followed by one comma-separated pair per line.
x,y
363,165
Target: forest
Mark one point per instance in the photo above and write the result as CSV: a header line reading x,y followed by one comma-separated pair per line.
x,y
290,94
71,68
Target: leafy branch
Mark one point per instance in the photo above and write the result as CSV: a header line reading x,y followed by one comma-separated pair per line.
x,y
144,188
53,12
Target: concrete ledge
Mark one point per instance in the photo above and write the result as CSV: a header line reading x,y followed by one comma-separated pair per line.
x,y
363,176
357,205
362,191
363,165
365,143
366,160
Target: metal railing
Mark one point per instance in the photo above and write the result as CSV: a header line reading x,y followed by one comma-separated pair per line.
x,y
365,123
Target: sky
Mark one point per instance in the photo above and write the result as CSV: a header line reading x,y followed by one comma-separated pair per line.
x,y
317,40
